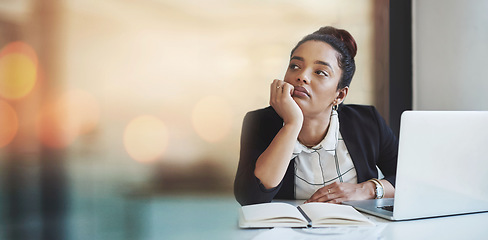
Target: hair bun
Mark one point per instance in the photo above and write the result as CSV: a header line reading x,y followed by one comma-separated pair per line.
x,y
342,35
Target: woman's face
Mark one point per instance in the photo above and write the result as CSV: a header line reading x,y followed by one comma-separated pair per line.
x,y
315,74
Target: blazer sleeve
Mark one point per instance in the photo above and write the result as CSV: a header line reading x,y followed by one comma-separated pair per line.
x,y
388,153
258,130
370,142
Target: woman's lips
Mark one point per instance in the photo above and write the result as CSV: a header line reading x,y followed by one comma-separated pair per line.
x,y
300,92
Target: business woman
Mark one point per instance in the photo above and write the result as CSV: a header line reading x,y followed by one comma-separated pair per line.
x,y
307,144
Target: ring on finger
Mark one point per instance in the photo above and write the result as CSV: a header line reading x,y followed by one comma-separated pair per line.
x,y
278,87
328,191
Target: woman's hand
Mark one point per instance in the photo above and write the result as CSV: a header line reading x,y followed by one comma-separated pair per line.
x,y
283,103
340,192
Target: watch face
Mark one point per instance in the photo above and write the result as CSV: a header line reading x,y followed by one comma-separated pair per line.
x,y
379,192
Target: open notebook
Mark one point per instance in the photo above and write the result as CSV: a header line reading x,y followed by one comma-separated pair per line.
x,y
278,214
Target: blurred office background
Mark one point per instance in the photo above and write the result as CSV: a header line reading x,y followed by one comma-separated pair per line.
x,y
105,105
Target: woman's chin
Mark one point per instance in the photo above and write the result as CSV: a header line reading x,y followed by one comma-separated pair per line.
x,y
301,102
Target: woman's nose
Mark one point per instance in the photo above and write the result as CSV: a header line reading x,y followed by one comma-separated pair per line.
x,y
303,78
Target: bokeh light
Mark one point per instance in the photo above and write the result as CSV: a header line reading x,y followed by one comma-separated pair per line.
x,y
146,138
212,118
18,70
64,118
8,123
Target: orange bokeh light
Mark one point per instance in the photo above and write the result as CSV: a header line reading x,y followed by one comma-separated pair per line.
x,y
212,118
18,70
146,138
20,48
66,117
9,123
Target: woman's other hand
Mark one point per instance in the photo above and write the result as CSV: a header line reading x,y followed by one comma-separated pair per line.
x,y
282,101
340,192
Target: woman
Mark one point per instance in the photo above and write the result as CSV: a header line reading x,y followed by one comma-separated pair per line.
x,y
307,145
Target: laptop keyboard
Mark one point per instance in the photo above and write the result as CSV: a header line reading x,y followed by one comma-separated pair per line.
x,y
387,208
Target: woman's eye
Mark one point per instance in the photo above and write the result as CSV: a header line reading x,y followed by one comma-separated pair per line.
x,y
323,73
293,66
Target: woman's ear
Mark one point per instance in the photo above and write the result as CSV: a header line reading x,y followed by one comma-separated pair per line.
x,y
341,95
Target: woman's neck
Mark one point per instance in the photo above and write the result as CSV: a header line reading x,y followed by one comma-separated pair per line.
x,y
314,129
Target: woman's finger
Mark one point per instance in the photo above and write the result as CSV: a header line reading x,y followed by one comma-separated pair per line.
x,y
325,198
322,193
273,91
276,87
288,88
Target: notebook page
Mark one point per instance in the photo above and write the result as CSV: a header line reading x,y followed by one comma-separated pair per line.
x,y
336,212
266,211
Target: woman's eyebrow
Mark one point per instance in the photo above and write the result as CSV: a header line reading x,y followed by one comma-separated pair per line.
x,y
297,58
325,64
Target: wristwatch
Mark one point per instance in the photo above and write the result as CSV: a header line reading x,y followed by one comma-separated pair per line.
x,y
379,190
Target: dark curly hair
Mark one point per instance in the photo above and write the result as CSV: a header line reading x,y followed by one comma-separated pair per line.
x,y
343,42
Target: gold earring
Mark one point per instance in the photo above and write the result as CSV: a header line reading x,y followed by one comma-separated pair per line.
x,y
336,106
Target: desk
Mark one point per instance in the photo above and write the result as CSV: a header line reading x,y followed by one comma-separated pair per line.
x,y
215,217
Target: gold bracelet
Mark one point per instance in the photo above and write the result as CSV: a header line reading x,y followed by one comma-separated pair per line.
x,y
379,181
379,190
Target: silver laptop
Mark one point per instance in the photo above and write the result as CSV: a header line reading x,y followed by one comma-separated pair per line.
x,y
442,167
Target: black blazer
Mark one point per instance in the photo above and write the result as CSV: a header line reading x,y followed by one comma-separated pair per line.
x,y
369,140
